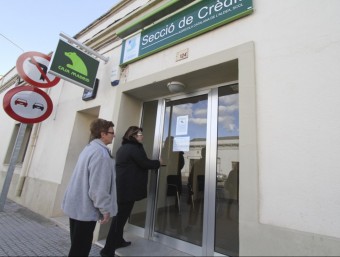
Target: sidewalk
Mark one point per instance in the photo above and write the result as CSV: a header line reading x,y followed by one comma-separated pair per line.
x,y
25,233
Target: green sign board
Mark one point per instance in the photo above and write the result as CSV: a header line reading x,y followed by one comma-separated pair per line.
x,y
188,23
74,65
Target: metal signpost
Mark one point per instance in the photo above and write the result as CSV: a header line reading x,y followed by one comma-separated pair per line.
x,y
12,163
27,104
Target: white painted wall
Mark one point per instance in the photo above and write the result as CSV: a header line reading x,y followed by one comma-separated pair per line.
x,y
298,124
56,130
297,53
297,48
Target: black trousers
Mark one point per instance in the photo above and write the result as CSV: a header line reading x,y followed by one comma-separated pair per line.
x,y
81,233
115,235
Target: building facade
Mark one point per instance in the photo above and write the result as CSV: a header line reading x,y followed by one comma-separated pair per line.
x,y
229,94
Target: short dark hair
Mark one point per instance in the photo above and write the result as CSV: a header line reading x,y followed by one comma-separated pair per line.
x,y
130,133
99,125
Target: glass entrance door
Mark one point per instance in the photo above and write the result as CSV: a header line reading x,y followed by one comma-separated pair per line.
x,y
193,199
180,196
226,177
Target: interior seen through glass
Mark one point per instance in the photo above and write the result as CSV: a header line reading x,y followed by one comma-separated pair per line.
x,y
181,182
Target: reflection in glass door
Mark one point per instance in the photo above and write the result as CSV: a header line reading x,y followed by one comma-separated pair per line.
x,y
148,122
193,199
180,196
227,172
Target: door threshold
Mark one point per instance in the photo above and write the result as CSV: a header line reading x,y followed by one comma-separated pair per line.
x,y
144,247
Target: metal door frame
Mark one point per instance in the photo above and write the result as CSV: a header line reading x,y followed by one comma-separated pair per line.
x,y
208,233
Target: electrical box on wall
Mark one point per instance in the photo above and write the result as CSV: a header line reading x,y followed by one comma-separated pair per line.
x,y
91,94
115,74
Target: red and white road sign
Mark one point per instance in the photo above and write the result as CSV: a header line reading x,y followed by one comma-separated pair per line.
x,y
32,68
27,104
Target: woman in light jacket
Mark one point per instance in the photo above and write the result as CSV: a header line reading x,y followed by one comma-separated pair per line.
x,y
91,194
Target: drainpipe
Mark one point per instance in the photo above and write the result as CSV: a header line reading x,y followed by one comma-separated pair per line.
x,y
28,159
29,155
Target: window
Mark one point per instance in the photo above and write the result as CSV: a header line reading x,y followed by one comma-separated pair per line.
x,y
24,145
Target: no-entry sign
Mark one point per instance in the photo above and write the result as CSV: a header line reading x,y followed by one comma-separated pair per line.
x,y
32,68
27,104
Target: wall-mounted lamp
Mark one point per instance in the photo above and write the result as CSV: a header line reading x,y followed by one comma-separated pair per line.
x,y
175,86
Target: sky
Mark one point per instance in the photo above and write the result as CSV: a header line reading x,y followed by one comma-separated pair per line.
x,y
35,25
228,117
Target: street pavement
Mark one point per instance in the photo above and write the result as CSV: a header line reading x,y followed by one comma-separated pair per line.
x,y
25,233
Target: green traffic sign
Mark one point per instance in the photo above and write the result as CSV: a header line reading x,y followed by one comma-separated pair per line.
x,y
74,65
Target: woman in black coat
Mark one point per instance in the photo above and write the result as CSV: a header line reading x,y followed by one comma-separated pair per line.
x,y
132,166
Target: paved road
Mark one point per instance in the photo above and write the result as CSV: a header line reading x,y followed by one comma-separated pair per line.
x,y
25,233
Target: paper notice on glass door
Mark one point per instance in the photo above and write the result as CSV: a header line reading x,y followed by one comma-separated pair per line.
x,y
182,125
181,144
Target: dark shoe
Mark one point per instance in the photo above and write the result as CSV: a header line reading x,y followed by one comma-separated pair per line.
x,y
102,254
123,244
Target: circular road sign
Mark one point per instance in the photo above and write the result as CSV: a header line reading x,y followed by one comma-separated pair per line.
x,y
27,104
32,68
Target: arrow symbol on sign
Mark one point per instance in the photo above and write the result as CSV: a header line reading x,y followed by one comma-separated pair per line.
x,y
42,69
